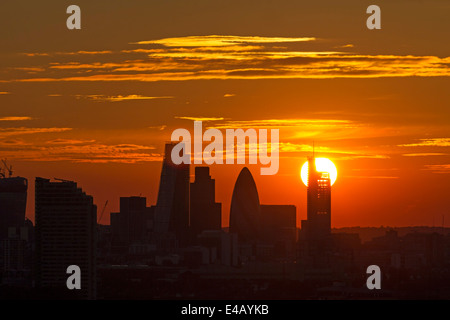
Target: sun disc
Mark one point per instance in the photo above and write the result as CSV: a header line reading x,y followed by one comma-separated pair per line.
x,y
322,165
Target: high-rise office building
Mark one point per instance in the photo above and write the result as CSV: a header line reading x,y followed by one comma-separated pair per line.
x,y
317,227
13,202
65,235
133,223
172,206
17,254
205,212
278,225
245,208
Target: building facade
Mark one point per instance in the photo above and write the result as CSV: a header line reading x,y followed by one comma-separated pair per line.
x,y
65,235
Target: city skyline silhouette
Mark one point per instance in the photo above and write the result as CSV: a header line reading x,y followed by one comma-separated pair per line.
x,y
88,106
93,102
180,236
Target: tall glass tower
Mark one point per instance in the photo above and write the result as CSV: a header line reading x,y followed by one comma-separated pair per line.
x,y
172,206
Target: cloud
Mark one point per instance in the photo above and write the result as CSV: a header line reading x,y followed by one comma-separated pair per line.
x,y
69,141
283,123
160,128
438,168
297,130
291,133
87,151
4,92
36,54
373,177
23,130
201,118
366,156
346,46
89,52
423,154
228,95
14,118
218,40
13,142
70,53
337,152
436,142
30,69
118,98
230,57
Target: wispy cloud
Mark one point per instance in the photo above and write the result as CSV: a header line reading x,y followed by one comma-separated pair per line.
x,y
219,40
365,156
160,128
36,54
349,45
292,141
201,118
60,141
295,131
429,154
80,151
435,142
373,177
4,92
23,130
230,57
438,168
30,69
69,53
14,118
90,52
8,142
340,153
118,98
279,123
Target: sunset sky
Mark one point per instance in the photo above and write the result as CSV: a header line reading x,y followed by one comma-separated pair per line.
x,y
96,105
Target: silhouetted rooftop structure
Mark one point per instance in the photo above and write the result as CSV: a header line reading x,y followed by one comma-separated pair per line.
x,y
245,212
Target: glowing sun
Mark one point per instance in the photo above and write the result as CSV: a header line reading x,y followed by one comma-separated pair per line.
x,y
322,165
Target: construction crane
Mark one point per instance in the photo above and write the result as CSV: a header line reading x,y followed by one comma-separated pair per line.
x,y
103,211
9,169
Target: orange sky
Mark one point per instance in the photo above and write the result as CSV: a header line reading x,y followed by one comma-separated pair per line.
x,y
96,105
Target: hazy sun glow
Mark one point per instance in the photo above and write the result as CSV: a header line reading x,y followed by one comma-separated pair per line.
x,y
322,165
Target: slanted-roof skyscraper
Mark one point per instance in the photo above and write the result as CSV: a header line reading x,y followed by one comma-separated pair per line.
x,y
172,206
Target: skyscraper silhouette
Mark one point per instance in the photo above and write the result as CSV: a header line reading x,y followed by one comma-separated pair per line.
x,y
13,202
65,235
172,206
132,224
317,227
279,228
205,212
245,208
